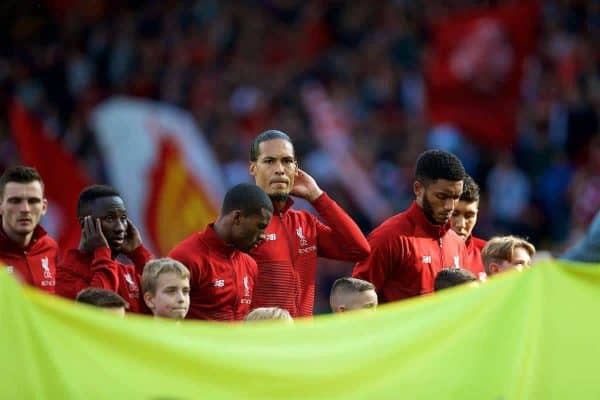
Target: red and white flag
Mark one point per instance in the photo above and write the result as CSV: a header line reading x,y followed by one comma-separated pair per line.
x,y
474,72
63,177
163,167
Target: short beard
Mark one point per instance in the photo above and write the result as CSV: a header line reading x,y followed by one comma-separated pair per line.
x,y
279,197
428,210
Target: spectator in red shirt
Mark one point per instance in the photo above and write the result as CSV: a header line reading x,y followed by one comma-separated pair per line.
x,y
463,220
166,288
25,248
348,294
287,259
410,248
222,275
106,235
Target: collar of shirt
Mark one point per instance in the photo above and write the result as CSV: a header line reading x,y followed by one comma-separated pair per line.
x,y
217,244
8,244
416,214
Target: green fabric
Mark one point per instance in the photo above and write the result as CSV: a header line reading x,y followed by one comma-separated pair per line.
x,y
522,335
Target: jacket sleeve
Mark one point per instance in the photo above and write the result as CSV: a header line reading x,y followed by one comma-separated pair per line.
x,y
140,256
68,281
105,271
341,238
386,254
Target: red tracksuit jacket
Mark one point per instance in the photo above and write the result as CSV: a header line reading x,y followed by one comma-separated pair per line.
x,y
287,259
77,271
407,252
474,262
36,263
221,277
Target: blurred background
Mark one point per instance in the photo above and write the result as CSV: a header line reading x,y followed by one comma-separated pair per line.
x,y
162,98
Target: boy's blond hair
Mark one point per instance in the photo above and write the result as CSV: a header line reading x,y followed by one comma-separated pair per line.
x,y
154,268
265,313
501,248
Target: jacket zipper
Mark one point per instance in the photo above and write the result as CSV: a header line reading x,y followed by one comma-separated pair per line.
x,y
441,253
290,250
236,291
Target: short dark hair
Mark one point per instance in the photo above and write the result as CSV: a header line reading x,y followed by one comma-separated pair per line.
x,y
449,277
91,193
263,137
351,285
248,198
470,190
439,164
101,298
19,174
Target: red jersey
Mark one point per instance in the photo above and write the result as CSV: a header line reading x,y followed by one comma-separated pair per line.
x,y
78,270
407,252
287,259
221,277
474,262
35,263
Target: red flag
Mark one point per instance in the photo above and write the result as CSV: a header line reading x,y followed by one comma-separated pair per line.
x,y
62,175
474,73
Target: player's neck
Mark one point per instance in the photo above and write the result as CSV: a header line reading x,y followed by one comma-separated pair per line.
x,y
21,240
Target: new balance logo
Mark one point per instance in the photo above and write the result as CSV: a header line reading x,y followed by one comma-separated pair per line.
x,y
271,236
219,282
427,259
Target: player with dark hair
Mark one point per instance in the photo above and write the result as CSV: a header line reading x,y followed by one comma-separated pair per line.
x,y
106,234
410,248
103,298
222,275
449,277
463,220
287,259
26,250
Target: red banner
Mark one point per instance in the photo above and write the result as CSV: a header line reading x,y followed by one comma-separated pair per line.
x,y
475,70
63,177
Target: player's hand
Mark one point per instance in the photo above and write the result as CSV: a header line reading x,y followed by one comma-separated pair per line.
x,y
305,187
92,237
133,239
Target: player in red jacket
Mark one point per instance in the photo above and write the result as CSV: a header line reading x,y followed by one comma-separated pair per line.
x,y
25,248
287,259
410,248
106,234
463,220
222,275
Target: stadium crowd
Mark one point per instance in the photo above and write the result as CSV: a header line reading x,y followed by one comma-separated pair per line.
x,y
238,67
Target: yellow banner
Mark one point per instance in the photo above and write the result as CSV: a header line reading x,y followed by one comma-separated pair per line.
x,y
530,335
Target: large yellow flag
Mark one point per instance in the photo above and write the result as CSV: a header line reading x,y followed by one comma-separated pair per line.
x,y
530,335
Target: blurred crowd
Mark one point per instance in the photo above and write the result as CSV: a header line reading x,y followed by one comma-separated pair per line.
x,y
238,67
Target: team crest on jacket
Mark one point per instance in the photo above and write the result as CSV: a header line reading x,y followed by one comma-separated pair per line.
x,y
132,285
46,268
246,286
303,241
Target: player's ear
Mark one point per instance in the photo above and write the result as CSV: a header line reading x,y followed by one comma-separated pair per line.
x,y
149,300
418,188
